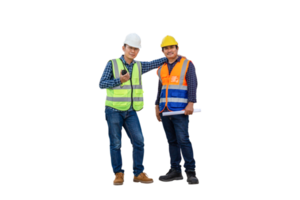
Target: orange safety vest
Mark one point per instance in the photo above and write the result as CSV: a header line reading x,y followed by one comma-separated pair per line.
x,y
174,94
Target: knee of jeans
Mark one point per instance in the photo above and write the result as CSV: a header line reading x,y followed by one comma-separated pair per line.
x,y
115,146
183,140
139,142
171,140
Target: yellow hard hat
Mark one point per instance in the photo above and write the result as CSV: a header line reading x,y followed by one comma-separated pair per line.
x,y
168,41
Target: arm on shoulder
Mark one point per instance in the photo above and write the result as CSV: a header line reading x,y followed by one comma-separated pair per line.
x,y
148,66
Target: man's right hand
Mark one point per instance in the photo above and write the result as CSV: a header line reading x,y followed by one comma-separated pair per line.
x,y
124,78
157,113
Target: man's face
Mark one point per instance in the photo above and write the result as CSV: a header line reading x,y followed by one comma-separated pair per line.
x,y
170,51
130,52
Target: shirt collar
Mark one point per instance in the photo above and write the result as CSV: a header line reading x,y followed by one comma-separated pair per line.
x,y
123,60
177,60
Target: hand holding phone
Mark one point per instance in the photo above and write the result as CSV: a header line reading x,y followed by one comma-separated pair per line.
x,y
124,76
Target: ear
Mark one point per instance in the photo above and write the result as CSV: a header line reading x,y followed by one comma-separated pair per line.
x,y
139,53
122,48
179,49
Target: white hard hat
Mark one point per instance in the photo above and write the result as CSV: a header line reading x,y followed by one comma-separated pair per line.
x,y
133,40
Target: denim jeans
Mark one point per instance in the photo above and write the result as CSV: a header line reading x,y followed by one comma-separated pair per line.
x,y
130,121
176,129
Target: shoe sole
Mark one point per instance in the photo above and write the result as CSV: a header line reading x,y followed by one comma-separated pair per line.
x,y
117,184
142,182
173,179
193,183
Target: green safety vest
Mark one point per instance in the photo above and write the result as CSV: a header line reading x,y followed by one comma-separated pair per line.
x,y
131,92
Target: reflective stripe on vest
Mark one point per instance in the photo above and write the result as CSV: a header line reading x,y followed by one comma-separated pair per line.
x,y
131,92
174,95
116,69
124,99
128,87
178,87
158,72
170,99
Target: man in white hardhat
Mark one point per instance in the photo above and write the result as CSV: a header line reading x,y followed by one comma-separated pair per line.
x,y
122,79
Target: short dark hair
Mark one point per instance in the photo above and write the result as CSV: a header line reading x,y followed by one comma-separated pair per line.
x,y
125,45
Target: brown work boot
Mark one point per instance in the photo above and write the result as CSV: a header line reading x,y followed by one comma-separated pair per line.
x,y
119,178
143,178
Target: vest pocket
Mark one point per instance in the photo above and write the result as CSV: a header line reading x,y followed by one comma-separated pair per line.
x,y
182,94
174,94
121,104
163,93
135,81
138,92
176,106
120,93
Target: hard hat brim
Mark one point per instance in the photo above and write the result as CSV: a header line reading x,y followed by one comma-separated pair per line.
x,y
132,45
169,45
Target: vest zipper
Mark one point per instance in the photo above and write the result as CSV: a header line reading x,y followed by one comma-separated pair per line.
x,y
131,91
167,88
130,84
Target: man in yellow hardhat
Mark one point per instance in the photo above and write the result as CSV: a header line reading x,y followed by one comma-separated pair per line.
x,y
177,91
122,79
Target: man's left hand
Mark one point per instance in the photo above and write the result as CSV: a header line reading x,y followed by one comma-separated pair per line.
x,y
189,109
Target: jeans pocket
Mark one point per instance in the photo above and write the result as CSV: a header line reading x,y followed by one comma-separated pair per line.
x,y
109,110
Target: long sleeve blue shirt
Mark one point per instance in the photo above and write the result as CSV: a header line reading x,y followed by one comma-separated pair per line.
x,y
191,79
108,80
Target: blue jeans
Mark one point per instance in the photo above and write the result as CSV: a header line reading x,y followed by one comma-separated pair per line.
x,y
176,129
130,121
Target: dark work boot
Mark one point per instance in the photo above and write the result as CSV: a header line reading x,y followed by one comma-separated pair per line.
x,y
171,176
191,177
